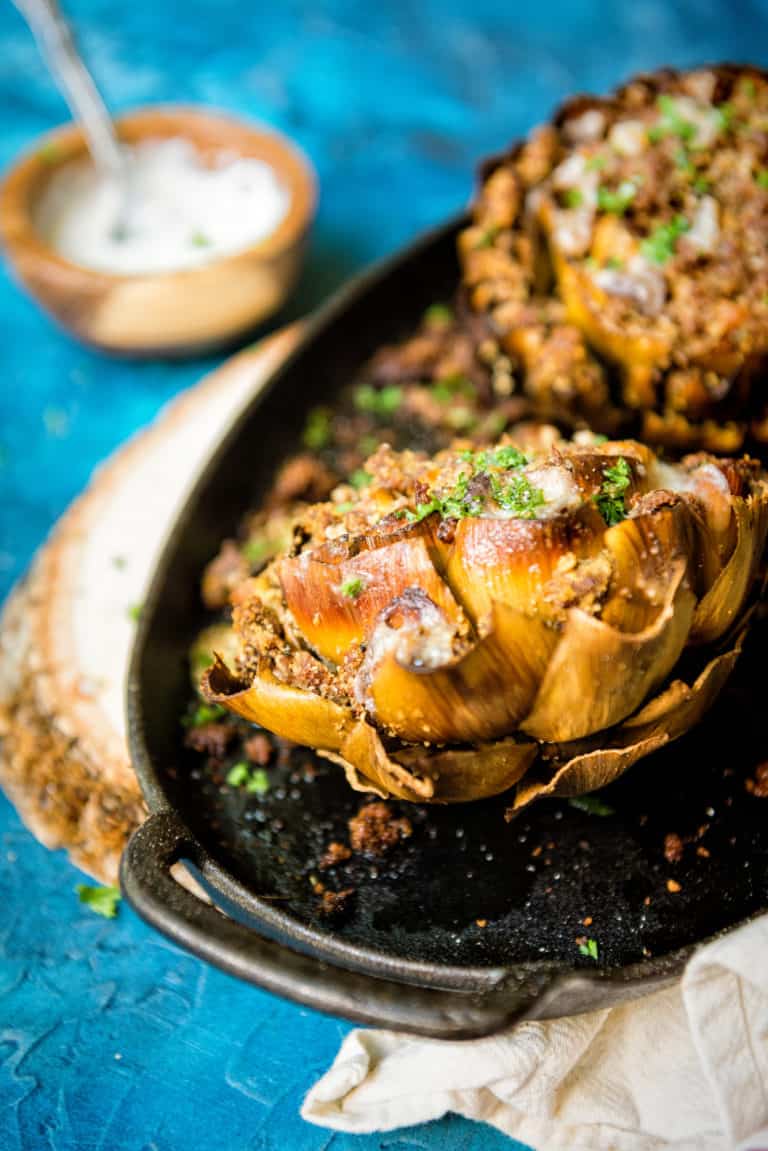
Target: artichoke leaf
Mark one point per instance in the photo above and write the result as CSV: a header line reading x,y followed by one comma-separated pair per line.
x,y
598,675
490,558
291,712
432,774
718,608
673,712
479,695
335,598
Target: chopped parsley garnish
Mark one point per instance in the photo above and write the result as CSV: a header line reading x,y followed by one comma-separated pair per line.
x,y
616,202
254,780
660,245
761,178
360,478
351,588
367,444
101,900
134,612
342,508
671,122
199,240
204,713
438,316
592,804
119,562
518,496
318,428
257,549
701,185
589,949
514,493
725,114
611,499
614,263
378,401
573,198
596,163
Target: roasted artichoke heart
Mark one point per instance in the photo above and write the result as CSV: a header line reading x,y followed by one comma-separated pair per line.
x,y
626,240
464,617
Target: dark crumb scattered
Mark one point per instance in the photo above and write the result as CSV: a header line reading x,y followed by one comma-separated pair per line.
x,y
258,749
673,848
703,852
335,853
673,886
211,739
374,830
758,785
335,902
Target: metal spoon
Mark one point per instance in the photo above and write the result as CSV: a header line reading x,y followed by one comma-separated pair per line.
x,y
57,45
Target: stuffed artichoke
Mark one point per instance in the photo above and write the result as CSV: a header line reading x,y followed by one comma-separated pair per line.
x,y
618,259
545,609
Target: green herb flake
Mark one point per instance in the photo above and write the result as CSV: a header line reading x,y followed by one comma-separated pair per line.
x,y
119,562
616,202
517,496
761,178
438,316
199,240
257,549
238,775
134,612
342,508
367,444
725,117
589,949
573,198
701,185
596,163
380,402
360,478
611,499
204,713
318,429
101,900
353,587
591,804
660,245
748,87
671,122
254,780
258,784
614,263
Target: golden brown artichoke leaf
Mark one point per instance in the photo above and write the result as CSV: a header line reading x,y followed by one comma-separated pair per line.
x,y
478,695
581,769
334,595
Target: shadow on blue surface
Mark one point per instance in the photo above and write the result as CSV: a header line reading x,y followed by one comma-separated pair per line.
x,y
110,1039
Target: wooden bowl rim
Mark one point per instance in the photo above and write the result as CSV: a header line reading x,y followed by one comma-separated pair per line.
x,y
24,179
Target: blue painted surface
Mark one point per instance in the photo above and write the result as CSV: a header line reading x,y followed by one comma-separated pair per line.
x,y
110,1038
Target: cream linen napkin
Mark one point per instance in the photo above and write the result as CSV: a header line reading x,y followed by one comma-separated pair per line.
x,y
686,1068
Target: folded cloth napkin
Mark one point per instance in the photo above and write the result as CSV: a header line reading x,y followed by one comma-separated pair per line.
x,y
685,1068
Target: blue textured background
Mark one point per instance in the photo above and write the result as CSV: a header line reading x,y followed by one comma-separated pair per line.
x,y
110,1038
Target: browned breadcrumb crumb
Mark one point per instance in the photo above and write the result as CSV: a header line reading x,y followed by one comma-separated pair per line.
x,y
673,886
375,830
258,749
481,922
587,921
673,848
335,853
211,739
334,902
758,786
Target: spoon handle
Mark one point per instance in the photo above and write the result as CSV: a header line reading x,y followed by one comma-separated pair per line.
x,y
57,45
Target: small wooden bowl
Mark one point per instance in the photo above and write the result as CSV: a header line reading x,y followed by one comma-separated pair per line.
x,y
168,313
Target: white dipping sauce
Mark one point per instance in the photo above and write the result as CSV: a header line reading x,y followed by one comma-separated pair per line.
x,y
182,213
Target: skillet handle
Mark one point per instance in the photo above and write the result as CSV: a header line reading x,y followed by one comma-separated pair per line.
x,y
201,928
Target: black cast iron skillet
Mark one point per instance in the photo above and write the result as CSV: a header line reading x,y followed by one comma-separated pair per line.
x,y
472,923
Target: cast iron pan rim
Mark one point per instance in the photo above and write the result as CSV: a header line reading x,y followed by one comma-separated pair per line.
x,y
276,924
